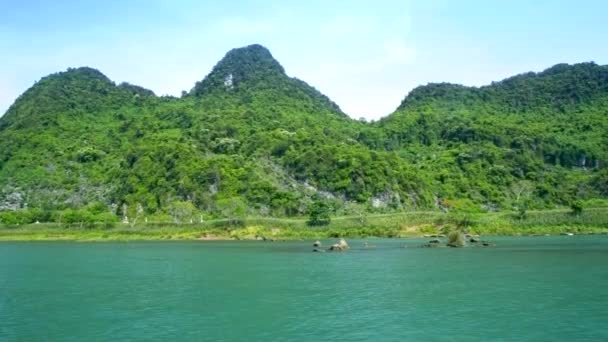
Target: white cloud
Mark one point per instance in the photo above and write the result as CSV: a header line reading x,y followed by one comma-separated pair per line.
x,y
342,26
390,53
385,44
241,26
397,51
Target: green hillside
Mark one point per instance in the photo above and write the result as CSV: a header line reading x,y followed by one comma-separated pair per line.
x,y
250,140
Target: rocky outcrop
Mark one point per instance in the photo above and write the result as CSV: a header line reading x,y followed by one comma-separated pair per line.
x,y
11,199
340,246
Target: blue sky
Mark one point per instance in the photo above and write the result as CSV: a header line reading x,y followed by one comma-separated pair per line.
x,y
365,55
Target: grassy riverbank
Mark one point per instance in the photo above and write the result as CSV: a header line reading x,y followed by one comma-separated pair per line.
x,y
412,224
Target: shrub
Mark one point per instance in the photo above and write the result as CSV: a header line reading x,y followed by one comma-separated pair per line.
x,y
576,207
23,216
596,203
9,218
522,210
455,239
88,154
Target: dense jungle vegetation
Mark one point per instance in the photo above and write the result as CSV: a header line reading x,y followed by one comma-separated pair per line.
x,y
248,140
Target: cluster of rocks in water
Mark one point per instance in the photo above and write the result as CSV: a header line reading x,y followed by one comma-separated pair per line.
x,y
453,241
340,246
457,240
482,242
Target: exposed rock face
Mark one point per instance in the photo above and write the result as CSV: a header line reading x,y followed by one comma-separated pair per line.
x,y
11,199
386,199
228,81
440,204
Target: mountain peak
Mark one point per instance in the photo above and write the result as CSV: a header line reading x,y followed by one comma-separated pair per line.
x,y
250,64
76,91
84,72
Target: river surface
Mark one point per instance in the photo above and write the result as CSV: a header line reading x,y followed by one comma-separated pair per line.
x,y
534,289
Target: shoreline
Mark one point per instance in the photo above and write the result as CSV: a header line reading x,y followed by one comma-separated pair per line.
x,y
15,235
389,225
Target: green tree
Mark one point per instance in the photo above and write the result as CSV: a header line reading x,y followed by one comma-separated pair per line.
x,y
233,208
182,211
319,213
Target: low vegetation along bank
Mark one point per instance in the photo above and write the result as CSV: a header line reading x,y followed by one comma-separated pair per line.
x,y
415,224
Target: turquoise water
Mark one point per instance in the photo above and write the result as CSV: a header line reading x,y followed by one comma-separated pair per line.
x,y
537,289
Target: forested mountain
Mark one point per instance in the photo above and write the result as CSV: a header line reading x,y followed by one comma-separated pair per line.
x,y
248,139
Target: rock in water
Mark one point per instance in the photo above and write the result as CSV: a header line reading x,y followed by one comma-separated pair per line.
x,y
335,247
366,245
317,244
340,246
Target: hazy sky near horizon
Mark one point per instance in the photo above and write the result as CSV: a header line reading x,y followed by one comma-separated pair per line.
x,y
365,55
